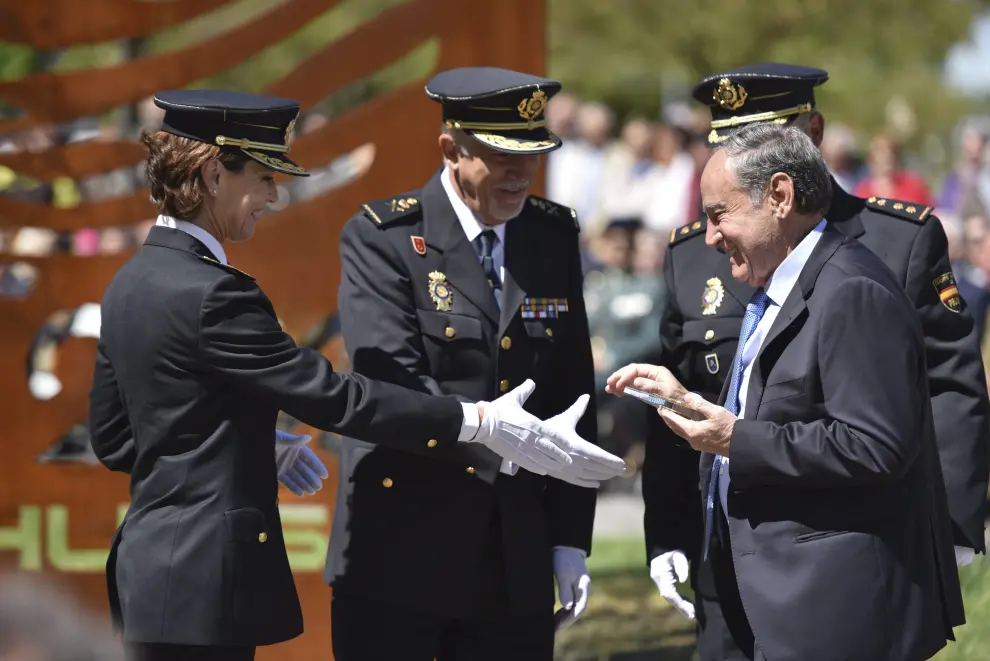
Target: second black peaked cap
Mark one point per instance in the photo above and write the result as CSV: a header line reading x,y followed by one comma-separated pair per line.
x,y
260,126
500,108
766,92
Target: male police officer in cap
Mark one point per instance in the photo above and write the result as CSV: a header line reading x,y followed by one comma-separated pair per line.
x,y
701,327
467,286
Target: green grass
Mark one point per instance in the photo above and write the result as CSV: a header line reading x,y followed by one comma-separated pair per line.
x,y
626,614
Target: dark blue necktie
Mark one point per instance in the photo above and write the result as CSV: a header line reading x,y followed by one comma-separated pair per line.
x,y
754,312
483,246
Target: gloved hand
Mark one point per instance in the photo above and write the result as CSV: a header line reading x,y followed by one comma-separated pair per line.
x,y
552,448
964,555
663,570
298,467
573,585
590,464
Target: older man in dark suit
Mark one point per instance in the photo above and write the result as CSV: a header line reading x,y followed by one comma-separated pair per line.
x,y
829,538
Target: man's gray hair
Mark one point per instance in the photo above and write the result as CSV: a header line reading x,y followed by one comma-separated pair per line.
x,y
759,151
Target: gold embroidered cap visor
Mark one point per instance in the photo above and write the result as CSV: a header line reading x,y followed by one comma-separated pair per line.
x,y
500,108
766,92
258,125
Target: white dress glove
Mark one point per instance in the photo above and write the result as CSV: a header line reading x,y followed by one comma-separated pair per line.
x,y
298,467
964,555
589,463
573,585
545,448
667,570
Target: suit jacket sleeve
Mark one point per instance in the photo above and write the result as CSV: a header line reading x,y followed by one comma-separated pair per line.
x,y
109,427
572,508
874,418
958,388
672,519
377,314
242,343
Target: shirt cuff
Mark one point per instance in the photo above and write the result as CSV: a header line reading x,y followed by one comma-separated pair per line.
x,y
470,424
571,548
508,468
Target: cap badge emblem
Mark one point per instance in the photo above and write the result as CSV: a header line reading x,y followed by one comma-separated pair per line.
x,y
530,109
730,96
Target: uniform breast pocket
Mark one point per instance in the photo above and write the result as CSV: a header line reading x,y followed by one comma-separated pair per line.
x,y
541,336
709,347
449,338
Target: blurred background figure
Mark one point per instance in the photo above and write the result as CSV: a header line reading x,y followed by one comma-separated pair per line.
x,y
888,178
39,622
839,151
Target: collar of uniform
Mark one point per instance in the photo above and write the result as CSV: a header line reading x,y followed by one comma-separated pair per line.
x,y
786,275
196,232
472,226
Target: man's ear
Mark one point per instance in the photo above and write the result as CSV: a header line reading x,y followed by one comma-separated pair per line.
x,y
448,147
781,194
816,128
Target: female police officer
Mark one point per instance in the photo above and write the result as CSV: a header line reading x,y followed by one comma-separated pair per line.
x,y
191,371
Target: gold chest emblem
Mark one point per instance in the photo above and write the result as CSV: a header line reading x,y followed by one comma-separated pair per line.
x,y
711,298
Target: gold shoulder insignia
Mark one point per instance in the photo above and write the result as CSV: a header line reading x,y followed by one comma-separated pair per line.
x,y
384,211
554,210
225,267
685,231
917,213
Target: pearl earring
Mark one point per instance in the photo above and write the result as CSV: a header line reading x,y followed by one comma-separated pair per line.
x,y
214,191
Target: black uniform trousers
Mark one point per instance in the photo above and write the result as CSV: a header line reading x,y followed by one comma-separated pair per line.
x,y
369,629
166,652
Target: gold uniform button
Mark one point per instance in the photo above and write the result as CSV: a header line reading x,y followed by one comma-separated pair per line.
x,y
549,332
432,443
262,537
470,469
709,334
450,332
504,385
387,483
506,343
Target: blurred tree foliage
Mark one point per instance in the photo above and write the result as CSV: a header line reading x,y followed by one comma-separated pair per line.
x,y
884,57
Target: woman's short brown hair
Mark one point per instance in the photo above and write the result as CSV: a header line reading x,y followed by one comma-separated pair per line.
x,y
173,170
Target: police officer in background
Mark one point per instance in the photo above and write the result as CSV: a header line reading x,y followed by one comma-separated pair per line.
x,y
701,327
467,286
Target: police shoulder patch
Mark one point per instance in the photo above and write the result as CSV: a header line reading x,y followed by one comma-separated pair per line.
x,y
225,267
678,234
917,213
389,209
554,211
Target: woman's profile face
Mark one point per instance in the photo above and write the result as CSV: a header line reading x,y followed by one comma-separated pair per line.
x,y
242,197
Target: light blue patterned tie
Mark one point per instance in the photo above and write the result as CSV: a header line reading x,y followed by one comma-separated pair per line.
x,y
484,245
754,312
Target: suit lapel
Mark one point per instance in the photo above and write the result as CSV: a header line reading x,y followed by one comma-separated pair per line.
x,y
792,308
512,292
459,262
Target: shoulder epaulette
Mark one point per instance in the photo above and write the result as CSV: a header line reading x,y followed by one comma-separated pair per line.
x,y
225,267
389,209
917,213
554,210
678,234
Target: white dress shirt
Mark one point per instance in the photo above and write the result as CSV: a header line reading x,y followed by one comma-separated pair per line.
x,y
471,421
473,229
778,288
